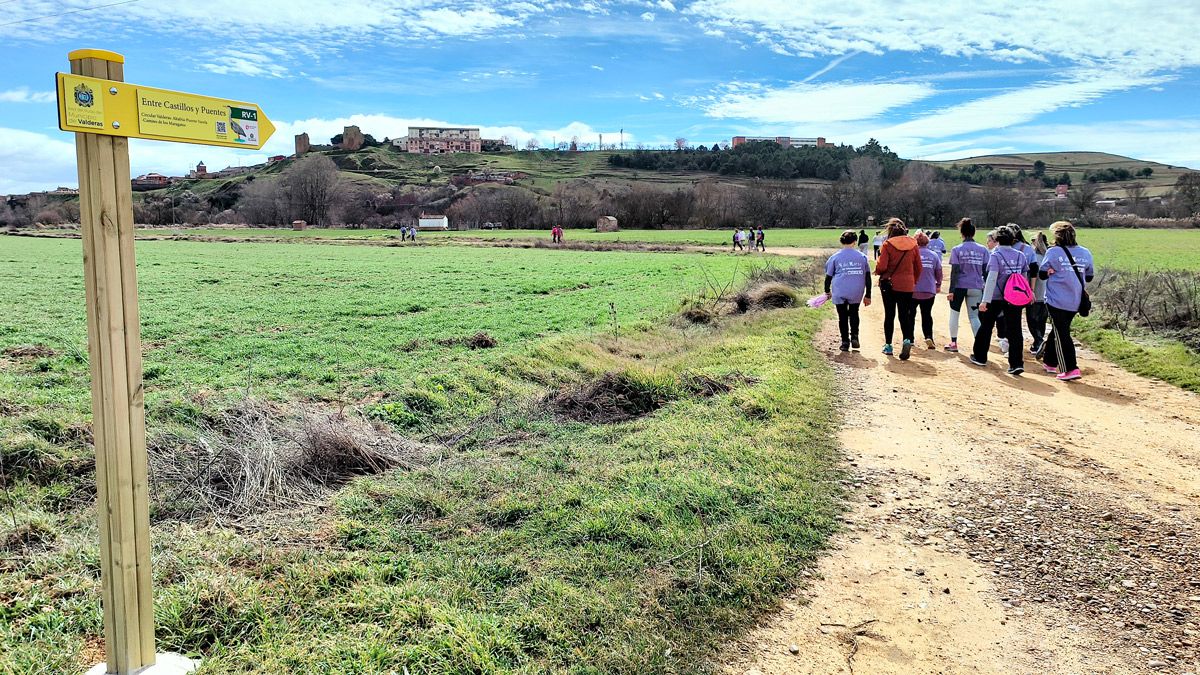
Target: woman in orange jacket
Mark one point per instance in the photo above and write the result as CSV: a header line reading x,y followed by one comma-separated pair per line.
x,y
898,267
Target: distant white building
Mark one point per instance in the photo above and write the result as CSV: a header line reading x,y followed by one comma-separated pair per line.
x,y
433,222
400,144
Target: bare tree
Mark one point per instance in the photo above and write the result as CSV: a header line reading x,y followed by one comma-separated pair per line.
x,y
310,189
915,193
835,204
681,143
1135,192
999,204
1186,196
532,144
261,202
1083,198
866,181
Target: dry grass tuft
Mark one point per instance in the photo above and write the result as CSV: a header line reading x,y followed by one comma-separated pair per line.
x,y
614,397
256,456
774,295
480,340
698,313
29,352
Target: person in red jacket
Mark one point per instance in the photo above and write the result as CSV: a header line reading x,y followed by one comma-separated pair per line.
x,y
898,268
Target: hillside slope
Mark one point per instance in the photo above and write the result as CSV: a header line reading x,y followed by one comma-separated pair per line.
x,y
542,170
1075,163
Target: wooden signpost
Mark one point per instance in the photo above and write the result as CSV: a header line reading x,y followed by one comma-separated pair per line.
x,y
95,102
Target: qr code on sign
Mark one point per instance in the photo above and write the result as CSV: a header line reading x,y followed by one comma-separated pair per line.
x,y
221,128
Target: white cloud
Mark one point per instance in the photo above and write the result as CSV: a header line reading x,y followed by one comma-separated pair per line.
x,y
1145,34
595,67
667,5
816,104
647,16
1015,107
459,22
658,95
1170,141
24,95
33,161
243,63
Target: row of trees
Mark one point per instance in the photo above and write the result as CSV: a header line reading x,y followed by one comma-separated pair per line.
x,y
764,159
920,196
313,190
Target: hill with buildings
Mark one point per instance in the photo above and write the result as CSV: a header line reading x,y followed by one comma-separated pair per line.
x,y
784,182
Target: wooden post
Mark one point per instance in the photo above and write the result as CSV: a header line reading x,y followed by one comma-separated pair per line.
x,y
115,352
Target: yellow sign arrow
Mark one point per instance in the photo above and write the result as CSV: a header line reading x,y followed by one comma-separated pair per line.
x,y
96,106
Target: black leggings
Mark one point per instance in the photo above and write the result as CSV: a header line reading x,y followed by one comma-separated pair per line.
x,y
1060,352
898,302
848,320
1035,318
926,307
1006,320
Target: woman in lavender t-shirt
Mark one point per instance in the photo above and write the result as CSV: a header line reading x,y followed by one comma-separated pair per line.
x,y
928,285
848,283
1065,284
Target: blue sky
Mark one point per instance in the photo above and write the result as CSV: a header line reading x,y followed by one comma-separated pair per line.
x,y
933,80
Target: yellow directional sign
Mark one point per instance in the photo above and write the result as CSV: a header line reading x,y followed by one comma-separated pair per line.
x,y
98,106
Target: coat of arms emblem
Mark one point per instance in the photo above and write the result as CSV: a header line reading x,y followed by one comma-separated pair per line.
x,y
84,96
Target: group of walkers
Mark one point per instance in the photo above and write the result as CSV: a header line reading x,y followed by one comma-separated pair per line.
x,y
408,233
998,282
749,239
556,234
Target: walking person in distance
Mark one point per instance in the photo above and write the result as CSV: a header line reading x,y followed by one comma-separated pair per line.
x,y
863,241
936,243
898,268
1067,269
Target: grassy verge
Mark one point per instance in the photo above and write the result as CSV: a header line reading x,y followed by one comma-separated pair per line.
x,y
1161,358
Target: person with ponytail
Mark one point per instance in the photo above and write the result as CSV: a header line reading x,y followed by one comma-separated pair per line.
x,y
968,261
898,268
1067,269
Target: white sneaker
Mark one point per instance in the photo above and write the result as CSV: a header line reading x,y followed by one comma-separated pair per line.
x,y
1003,345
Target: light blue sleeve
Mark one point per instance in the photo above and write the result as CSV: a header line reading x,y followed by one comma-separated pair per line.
x,y
989,286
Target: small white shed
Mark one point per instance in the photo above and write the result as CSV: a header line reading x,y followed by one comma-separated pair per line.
x,y
433,222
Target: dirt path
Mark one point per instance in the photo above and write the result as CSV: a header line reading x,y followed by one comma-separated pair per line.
x,y
999,524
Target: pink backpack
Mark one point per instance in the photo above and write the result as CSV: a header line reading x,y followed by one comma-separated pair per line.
x,y
1017,291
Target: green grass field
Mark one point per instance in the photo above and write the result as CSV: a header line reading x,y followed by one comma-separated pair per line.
x,y
523,542
782,237
1122,249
